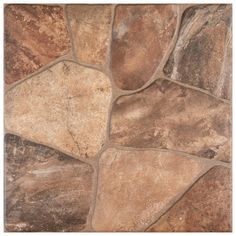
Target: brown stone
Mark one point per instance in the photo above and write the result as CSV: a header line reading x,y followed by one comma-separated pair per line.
x,y
205,208
65,106
141,36
34,36
169,116
45,190
91,31
203,53
134,186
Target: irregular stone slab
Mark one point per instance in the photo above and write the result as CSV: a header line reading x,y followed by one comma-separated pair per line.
x,y
206,207
141,36
65,106
133,186
91,31
46,190
34,36
169,116
203,53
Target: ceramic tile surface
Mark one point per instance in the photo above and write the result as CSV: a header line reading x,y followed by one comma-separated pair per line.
x,y
118,118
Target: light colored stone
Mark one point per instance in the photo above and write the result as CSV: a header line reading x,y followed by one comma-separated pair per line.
x,y
134,186
91,31
169,116
203,53
65,106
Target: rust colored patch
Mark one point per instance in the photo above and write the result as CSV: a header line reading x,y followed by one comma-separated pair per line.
x,y
141,34
34,36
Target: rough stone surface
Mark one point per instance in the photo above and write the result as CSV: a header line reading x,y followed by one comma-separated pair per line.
x,y
91,31
34,36
141,35
65,106
169,116
46,190
135,185
206,207
203,54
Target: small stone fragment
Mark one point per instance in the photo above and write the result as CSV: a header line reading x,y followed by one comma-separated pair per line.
x,y
65,106
46,190
91,31
169,116
34,36
206,207
141,36
135,185
203,53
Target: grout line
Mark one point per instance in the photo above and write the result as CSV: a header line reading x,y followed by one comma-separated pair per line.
x,y
39,71
187,155
178,197
196,89
69,31
89,161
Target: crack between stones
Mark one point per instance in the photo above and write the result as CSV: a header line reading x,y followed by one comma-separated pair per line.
x,y
178,197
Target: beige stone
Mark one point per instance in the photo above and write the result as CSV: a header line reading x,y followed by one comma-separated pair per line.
x,y
169,116
134,186
91,31
65,106
203,53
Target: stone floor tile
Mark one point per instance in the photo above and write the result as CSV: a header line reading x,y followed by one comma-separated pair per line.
x,y
133,186
203,53
46,190
91,32
206,207
141,36
65,106
34,36
169,116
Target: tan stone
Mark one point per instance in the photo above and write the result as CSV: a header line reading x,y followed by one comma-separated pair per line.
x,y
134,186
206,207
65,106
45,190
141,36
91,31
203,53
34,36
169,116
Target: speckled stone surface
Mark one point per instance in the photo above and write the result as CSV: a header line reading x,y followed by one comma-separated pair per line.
x,y
118,117
141,35
168,116
65,106
206,207
46,190
135,185
203,54
34,36
91,32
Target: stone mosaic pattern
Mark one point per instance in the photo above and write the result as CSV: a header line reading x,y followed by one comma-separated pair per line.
x,y
118,118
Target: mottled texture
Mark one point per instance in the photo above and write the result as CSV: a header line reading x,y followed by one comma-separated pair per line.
x,y
135,185
91,32
34,36
206,207
203,53
65,106
141,36
46,190
169,116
